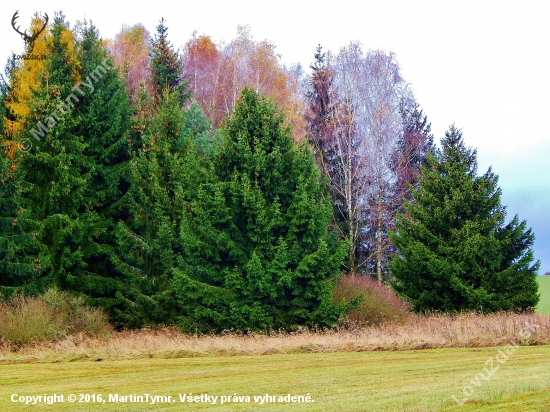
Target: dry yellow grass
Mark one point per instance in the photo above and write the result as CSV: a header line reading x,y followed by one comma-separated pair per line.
x,y
419,332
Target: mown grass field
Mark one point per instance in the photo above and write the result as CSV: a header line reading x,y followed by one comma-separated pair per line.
x,y
422,380
544,290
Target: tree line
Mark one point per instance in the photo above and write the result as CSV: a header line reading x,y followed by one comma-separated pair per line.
x,y
219,189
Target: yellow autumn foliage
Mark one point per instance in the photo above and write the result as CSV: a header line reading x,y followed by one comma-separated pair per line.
x,y
25,78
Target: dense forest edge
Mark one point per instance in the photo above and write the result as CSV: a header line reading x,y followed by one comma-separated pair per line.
x,y
215,189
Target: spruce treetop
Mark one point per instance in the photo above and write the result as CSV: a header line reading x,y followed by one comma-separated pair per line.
x,y
166,67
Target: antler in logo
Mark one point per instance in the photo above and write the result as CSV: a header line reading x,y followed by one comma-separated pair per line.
x,y
28,39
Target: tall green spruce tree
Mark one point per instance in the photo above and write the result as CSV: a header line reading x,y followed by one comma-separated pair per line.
x,y
148,239
257,254
76,175
165,66
163,177
455,251
20,268
104,120
56,172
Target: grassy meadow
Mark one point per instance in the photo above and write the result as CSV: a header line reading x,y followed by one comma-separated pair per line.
x,y
422,380
415,364
544,290
363,369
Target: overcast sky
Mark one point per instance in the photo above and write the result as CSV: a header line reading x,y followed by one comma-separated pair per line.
x,y
482,65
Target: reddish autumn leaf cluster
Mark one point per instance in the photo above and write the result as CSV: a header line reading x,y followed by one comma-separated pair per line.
x,y
217,73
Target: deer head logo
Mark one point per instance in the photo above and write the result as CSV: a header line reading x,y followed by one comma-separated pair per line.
x,y
28,38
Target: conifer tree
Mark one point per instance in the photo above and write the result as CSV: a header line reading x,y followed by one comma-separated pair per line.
x,y
5,88
20,267
75,172
56,172
257,253
455,251
412,148
324,131
147,240
104,122
165,66
197,130
169,147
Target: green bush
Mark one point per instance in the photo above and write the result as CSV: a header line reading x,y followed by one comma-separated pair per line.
x,y
377,302
54,314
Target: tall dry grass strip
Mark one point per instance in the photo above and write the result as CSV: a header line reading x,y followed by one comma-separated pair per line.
x,y
419,332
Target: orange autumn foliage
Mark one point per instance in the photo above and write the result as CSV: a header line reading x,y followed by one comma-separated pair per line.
x,y
217,73
130,50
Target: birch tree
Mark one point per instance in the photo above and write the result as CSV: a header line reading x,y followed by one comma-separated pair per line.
x,y
384,91
130,50
339,153
356,123
217,73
